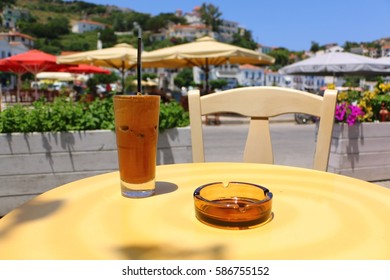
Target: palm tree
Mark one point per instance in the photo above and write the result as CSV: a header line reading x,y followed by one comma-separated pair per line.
x,y
211,16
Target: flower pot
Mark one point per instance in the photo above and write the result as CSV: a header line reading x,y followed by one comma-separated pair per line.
x,y
361,151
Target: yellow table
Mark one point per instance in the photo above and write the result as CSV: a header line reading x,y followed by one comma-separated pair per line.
x,y
317,215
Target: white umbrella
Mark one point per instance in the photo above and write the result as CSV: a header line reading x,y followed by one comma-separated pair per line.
x,y
60,76
337,64
384,59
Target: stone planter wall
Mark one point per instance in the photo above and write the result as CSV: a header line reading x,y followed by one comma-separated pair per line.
x,y
33,163
361,151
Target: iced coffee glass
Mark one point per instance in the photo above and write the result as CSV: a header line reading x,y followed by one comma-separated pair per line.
x,y
136,126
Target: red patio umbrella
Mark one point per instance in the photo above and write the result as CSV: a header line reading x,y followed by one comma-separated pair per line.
x,y
8,66
85,69
35,61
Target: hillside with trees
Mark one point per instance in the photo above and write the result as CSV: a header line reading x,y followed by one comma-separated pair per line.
x,y
49,21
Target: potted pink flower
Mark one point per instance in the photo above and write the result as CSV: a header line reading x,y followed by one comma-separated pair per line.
x,y
348,113
360,144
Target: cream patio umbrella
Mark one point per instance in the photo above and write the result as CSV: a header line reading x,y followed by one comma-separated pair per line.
x,y
203,52
60,76
120,57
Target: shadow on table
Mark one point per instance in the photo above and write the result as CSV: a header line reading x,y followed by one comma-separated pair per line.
x,y
31,211
165,187
215,252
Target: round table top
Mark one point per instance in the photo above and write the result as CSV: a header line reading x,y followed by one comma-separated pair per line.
x,y
316,215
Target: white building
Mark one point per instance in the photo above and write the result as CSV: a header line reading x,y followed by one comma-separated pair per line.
x,y
250,75
192,17
385,50
12,15
82,26
13,43
187,32
226,30
244,75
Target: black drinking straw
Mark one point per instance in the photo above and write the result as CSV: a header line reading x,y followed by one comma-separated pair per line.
x,y
139,89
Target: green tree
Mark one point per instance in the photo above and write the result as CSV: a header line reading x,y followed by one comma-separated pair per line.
x,y
59,25
315,47
79,42
5,3
184,78
281,56
348,45
244,39
162,20
211,16
106,79
54,28
146,76
218,84
108,37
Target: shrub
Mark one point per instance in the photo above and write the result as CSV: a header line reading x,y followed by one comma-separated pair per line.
x,y
64,115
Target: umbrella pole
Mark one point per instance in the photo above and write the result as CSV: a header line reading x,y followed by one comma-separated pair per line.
x,y
123,81
18,88
206,71
36,87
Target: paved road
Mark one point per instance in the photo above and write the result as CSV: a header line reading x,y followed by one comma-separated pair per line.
x,y
293,144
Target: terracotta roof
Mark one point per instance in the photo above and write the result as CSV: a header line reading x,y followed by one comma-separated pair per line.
x,y
249,66
92,22
189,26
17,34
67,52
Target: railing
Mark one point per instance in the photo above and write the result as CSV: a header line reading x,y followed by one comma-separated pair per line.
x,y
28,96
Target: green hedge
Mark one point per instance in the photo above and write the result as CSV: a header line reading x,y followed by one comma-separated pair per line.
x,y
64,115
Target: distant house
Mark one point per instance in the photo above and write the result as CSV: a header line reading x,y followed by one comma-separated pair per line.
x,y
226,30
334,48
187,32
373,52
12,15
386,50
264,49
251,75
82,26
359,50
192,17
12,43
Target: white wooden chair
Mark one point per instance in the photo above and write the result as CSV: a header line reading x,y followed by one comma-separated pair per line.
x,y
261,103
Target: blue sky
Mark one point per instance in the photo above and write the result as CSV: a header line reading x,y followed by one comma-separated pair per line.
x,y
292,24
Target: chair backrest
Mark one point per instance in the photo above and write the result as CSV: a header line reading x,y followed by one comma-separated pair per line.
x,y
261,103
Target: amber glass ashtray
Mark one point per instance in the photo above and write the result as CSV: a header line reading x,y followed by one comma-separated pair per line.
x,y
237,205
